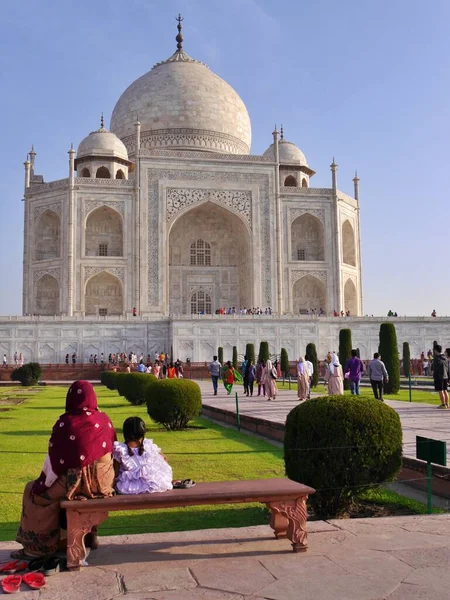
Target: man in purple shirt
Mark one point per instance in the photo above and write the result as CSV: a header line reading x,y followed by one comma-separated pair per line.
x,y
354,367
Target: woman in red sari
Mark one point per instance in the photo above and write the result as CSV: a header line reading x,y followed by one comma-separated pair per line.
x,y
79,464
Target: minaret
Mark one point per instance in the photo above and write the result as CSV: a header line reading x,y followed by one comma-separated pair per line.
x,y
32,155
334,169
278,223
137,213
337,241
27,165
70,233
356,185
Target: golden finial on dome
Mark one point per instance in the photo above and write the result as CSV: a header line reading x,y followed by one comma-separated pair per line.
x,y
179,37
282,133
102,122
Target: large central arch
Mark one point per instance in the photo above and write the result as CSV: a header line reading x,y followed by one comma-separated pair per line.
x,y
209,251
308,294
103,295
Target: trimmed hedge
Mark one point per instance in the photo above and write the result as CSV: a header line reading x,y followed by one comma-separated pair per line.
x,y
264,351
250,352
220,355
28,374
284,363
108,379
345,351
173,402
406,360
341,445
234,360
135,386
389,355
311,355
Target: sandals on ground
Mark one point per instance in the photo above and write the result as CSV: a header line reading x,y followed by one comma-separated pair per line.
x,y
14,566
11,584
183,484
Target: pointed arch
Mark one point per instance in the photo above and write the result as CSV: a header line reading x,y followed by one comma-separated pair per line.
x,y
48,236
104,232
304,182
348,244
103,173
47,296
307,238
120,174
350,298
290,181
103,295
308,293
85,172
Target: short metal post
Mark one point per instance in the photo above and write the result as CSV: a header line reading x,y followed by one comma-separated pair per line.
x,y
410,392
429,506
289,381
238,418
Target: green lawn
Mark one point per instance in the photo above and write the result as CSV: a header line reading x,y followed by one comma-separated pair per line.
x,y
205,452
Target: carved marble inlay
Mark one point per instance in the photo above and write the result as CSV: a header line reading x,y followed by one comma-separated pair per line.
x,y
157,175
54,206
209,289
118,205
129,183
53,271
296,274
118,272
239,201
298,212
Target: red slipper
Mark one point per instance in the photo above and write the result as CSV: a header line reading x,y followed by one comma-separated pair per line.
x,y
20,566
11,584
10,566
34,580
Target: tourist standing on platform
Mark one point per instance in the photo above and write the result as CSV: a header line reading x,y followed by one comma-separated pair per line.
x,y
354,368
310,372
229,377
179,368
156,369
141,367
249,377
243,367
214,371
334,377
377,375
5,361
74,358
21,359
302,379
171,371
269,379
259,378
425,366
439,368
16,358
67,359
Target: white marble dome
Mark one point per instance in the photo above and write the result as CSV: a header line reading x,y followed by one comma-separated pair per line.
x,y
288,153
102,143
182,105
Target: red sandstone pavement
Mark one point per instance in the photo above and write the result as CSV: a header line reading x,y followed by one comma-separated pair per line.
x,y
417,419
398,558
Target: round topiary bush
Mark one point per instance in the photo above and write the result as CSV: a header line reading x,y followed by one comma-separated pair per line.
x,y
28,374
264,353
340,445
173,402
135,386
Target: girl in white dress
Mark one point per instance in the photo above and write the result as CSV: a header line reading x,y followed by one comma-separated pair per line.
x,y
141,466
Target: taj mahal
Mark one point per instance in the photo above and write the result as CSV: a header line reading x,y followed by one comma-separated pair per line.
x,y
165,217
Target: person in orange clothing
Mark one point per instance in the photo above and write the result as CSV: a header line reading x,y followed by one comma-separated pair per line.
x,y
171,372
162,358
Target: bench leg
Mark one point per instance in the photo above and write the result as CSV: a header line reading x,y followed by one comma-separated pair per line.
x,y
78,525
293,512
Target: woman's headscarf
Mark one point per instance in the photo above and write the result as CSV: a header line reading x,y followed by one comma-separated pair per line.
x,y
334,363
82,435
300,365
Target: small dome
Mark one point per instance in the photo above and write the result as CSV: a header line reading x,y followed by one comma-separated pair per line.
x,y
102,143
289,153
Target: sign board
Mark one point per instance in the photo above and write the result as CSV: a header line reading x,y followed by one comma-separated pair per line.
x,y
433,451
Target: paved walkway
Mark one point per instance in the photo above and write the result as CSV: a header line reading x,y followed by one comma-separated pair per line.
x,y
398,558
417,419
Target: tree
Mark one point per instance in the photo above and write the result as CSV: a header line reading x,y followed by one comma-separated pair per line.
x,y
345,351
284,362
235,358
263,351
311,355
250,352
406,360
389,355
220,355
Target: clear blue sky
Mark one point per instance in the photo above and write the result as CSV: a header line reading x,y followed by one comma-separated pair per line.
x,y
365,81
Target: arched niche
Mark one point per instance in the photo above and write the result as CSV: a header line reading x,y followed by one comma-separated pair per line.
x,y
120,174
104,233
209,248
307,238
304,183
104,295
47,236
308,293
103,173
85,172
348,244
290,181
201,303
350,298
47,296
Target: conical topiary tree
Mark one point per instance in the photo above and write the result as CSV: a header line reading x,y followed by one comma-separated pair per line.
x,y
220,355
235,358
345,350
311,355
284,362
250,352
263,351
389,355
406,360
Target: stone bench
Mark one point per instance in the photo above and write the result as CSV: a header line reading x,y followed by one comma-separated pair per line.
x,y
285,499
